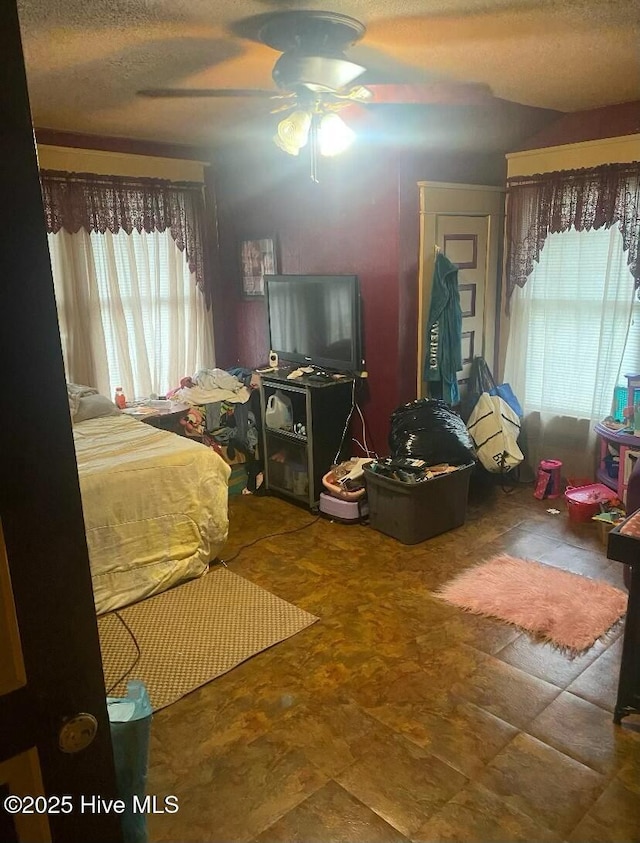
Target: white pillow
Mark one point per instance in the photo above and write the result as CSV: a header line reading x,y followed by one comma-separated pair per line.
x,y
94,407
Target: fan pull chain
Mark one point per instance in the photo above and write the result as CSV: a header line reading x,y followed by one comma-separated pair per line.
x,y
313,147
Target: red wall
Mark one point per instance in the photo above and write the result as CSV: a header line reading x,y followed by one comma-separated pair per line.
x,y
594,124
362,218
346,224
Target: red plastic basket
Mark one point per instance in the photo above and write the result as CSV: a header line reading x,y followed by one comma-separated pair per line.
x,y
583,502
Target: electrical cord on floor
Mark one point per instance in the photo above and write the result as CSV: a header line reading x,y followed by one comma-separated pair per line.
x,y
135,661
364,433
225,562
346,424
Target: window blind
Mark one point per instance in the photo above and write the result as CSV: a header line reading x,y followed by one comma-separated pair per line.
x,y
580,339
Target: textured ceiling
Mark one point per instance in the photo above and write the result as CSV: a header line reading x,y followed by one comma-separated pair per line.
x,y
86,59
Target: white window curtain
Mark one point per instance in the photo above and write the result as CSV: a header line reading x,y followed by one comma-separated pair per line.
x,y
574,330
129,310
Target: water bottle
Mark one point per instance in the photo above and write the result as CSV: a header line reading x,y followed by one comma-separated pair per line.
x,y
120,400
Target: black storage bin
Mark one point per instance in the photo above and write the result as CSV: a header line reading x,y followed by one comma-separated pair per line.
x,y
414,512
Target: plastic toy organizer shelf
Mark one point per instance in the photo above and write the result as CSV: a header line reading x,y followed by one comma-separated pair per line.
x,y
295,461
628,448
626,445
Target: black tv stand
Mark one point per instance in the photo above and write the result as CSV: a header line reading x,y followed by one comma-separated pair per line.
x,y
294,461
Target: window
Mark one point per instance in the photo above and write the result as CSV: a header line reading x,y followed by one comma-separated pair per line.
x,y
134,301
574,329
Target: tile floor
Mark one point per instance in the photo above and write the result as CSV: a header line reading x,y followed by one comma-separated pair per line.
x,y
397,717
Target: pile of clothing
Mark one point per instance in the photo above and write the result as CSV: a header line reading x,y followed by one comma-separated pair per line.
x,y
212,386
410,470
224,415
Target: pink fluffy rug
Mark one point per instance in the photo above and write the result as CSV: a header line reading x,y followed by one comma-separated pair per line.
x,y
565,609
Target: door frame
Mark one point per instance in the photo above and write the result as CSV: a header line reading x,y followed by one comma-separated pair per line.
x,y
56,652
466,200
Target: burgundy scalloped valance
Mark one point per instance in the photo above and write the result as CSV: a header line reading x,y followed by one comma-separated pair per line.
x,y
582,199
109,203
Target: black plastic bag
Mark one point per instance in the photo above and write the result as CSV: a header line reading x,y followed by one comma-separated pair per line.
x,y
429,430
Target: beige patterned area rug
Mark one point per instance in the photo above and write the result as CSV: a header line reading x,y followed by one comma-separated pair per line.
x,y
193,633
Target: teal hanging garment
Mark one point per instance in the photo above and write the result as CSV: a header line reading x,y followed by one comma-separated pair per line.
x,y
443,358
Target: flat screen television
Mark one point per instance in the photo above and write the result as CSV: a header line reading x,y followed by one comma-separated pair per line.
x,y
315,319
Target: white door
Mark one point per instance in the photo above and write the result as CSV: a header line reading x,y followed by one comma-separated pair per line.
x,y
465,223
464,240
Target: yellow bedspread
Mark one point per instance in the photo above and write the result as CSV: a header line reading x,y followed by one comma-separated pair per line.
x,y
155,507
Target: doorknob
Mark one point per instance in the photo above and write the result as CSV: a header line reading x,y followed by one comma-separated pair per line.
x,y
77,732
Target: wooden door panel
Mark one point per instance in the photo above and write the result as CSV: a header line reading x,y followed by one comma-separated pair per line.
x,y
459,245
464,240
468,347
468,294
51,669
464,221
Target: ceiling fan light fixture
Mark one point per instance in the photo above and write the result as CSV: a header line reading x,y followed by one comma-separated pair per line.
x,y
360,94
334,136
316,73
293,131
290,150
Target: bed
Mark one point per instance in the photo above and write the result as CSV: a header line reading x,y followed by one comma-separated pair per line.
x,y
155,507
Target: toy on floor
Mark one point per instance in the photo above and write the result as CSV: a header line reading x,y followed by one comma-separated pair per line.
x,y
548,481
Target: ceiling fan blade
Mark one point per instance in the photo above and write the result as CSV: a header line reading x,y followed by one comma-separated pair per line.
x,y
177,93
430,93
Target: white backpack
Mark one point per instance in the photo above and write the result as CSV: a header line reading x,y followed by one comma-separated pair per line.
x,y
495,427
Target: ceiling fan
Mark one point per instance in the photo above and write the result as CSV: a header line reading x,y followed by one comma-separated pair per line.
x,y
314,79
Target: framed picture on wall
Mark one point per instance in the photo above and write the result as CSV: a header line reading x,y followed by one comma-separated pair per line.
x,y
257,259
